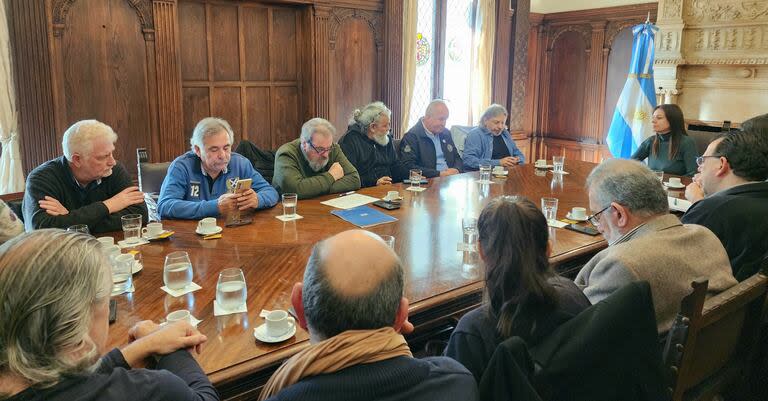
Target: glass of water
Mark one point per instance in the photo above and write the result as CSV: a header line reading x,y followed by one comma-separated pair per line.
x,y
131,228
549,208
289,204
557,163
79,228
231,291
469,229
389,240
485,172
122,274
659,174
177,271
415,177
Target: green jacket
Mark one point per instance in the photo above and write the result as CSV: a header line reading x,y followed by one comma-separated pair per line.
x,y
293,174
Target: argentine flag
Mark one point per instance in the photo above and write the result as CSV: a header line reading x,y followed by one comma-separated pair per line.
x,y
631,122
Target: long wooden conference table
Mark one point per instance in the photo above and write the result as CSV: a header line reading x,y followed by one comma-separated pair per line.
x,y
442,282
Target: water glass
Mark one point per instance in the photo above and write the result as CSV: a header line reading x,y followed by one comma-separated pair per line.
x,y
179,315
659,174
558,162
415,177
111,252
231,291
289,204
469,229
79,228
122,274
485,172
131,228
177,271
549,208
389,240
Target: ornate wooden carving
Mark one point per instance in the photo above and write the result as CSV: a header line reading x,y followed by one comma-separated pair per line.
x,y
393,56
322,61
584,29
339,15
61,9
517,90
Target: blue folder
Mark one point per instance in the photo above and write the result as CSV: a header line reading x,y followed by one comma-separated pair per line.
x,y
364,216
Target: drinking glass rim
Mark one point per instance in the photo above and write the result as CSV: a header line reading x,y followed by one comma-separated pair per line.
x,y
177,254
232,272
130,216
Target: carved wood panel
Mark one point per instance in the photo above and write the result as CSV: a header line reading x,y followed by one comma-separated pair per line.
x,y
566,96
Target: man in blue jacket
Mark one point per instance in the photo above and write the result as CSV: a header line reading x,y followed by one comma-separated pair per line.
x,y
490,143
199,183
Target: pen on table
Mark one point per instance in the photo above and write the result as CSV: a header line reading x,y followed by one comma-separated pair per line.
x,y
346,193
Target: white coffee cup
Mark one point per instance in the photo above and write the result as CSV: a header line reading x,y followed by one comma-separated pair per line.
x,y
181,314
675,181
392,195
106,241
579,213
541,162
207,224
279,323
152,229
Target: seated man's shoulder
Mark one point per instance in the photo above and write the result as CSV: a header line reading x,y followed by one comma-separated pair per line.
x,y
288,147
54,166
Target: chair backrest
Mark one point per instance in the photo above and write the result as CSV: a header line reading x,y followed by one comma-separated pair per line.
x,y
14,201
151,175
459,134
702,139
710,343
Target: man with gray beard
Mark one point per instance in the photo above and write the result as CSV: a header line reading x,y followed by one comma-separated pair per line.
x,y
369,147
314,165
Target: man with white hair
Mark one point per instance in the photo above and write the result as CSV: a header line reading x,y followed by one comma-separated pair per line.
x,y
200,183
314,165
646,242
84,186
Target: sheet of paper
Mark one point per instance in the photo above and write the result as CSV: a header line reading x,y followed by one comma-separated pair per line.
x,y
678,205
350,201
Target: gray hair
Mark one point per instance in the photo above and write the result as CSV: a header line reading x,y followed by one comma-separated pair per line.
x,y
79,137
330,313
628,183
369,114
316,124
207,127
493,111
49,282
433,105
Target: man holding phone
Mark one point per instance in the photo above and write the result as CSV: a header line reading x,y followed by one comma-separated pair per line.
x,y
204,181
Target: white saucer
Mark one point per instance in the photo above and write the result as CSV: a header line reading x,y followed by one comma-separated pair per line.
x,y
137,266
503,173
261,334
154,237
217,230
568,216
543,166
668,185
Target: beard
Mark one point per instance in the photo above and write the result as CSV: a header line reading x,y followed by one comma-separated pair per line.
x,y
381,140
315,165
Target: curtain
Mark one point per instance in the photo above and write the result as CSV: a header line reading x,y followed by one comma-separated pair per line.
x,y
11,174
410,19
481,78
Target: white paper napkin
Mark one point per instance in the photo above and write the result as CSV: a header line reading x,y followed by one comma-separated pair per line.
x,y
414,189
556,223
186,290
562,172
193,321
218,310
122,244
283,217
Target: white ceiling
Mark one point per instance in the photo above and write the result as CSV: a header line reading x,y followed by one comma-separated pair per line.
x,y
554,6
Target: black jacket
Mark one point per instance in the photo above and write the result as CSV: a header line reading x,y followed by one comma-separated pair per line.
x,y
263,160
371,159
418,151
739,217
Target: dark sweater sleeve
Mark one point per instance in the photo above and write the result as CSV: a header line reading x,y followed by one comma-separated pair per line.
x,y
468,349
351,179
644,150
112,221
353,153
182,364
689,152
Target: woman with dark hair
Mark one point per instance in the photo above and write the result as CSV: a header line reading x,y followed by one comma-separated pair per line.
x,y
671,149
54,297
524,297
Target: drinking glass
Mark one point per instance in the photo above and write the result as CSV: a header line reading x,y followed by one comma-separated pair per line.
x,y
289,204
231,291
389,240
177,271
122,276
549,208
469,228
557,163
659,174
181,314
79,228
131,228
485,172
415,177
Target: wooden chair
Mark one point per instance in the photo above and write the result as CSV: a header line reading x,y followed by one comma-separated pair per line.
x,y
151,175
711,344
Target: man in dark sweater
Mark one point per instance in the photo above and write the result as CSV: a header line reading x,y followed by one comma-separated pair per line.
x,y
428,145
85,186
352,304
730,198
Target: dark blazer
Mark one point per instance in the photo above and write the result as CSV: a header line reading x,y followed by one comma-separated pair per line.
x,y
418,151
738,216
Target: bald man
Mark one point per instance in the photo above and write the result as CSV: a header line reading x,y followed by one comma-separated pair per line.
x,y
352,304
428,145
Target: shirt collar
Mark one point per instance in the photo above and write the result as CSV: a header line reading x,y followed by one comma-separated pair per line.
x,y
205,174
76,182
429,133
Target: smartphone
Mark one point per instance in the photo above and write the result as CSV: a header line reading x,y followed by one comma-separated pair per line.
x,y
387,205
582,229
242,185
112,310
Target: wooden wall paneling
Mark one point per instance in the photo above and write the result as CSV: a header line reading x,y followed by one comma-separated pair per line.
x,y
259,121
595,80
619,51
197,105
502,54
27,25
516,95
566,92
226,103
285,110
322,65
392,84
169,137
223,33
193,53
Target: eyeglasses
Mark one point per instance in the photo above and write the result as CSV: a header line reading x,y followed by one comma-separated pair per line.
x,y
595,218
700,159
318,149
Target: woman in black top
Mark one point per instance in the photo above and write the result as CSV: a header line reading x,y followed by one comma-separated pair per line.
x,y
671,149
54,319
524,297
